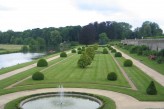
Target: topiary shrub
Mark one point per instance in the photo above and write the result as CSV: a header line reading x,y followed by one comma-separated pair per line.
x,y
118,54
73,51
105,51
112,76
83,49
38,76
63,54
113,51
128,63
79,52
151,90
42,63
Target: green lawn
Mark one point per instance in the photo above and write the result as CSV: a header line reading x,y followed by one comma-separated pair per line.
x,y
67,73
145,60
8,48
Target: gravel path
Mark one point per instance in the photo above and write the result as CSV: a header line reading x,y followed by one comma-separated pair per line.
x,y
122,101
152,73
14,72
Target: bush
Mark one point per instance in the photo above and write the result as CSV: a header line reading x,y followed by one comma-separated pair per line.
x,y
112,76
133,49
159,60
128,63
105,51
79,48
83,49
113,51
42,63
95,47
84,61
73,51
118,54
90,52
38,76
151,90
63,54
79,52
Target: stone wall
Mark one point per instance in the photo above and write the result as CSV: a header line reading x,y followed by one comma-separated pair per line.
x,y
153,44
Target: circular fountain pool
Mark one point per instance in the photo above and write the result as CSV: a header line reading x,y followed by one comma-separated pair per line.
x,y
54,101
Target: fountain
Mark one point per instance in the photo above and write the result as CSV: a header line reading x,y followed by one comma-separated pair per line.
x,y
61,100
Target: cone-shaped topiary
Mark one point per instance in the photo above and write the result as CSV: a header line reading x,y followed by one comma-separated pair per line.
x,y
118,54
112,76
63,54
128,63
38,76
42,63
151,90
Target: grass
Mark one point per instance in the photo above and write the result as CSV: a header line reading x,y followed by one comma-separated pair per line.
x,y
93,76
145,60
9,48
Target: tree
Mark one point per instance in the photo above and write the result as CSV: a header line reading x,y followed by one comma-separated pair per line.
x,y
90,52
55,39
84,61
151,90
103,39
24,48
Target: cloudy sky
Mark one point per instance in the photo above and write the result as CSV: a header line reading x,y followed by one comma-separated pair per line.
x,y
19,15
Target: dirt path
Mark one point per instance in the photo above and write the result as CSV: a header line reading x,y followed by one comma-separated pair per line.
x,y
152,73
6,75
122,101
125,75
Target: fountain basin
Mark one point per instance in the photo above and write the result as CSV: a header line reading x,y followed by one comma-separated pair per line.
x,y
70,101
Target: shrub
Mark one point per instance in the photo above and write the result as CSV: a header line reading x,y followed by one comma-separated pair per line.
x,y
95,47
90,52
133,49
42,63
159,60
73,51
151,90
113,51
79,48
118,54
79,52
63,54
38,76
84,61
83,49
128,63
112,76
105,51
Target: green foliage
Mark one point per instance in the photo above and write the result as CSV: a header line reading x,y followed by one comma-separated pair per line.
x,y
159,60
103,39
79,48
133,49
38,76
113,51
112,76
90,52
84,61
128,63
63,54
42,63
118,54
95,47
79,52
24,48
83,48
105,51
73,51
151,90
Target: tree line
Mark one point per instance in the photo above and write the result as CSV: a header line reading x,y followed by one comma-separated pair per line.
x,y
51,38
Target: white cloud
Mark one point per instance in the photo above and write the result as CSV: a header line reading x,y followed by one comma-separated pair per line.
x,y
28,14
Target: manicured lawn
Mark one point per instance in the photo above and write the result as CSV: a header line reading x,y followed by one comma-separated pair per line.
x,y
145,60
67,71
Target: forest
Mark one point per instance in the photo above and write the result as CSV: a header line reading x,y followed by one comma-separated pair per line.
x,y
51,38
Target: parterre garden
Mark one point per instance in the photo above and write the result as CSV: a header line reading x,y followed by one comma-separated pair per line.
x,y
65,71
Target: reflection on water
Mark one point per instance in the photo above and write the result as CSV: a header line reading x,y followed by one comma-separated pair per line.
x,y
7,60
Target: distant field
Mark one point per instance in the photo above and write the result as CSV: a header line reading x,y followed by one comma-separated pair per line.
x,y
5,48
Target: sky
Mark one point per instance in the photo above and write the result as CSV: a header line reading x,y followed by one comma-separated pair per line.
x,y
19,15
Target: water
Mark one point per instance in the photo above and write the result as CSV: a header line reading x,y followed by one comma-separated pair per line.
x,y
7,60
61,94
67,103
